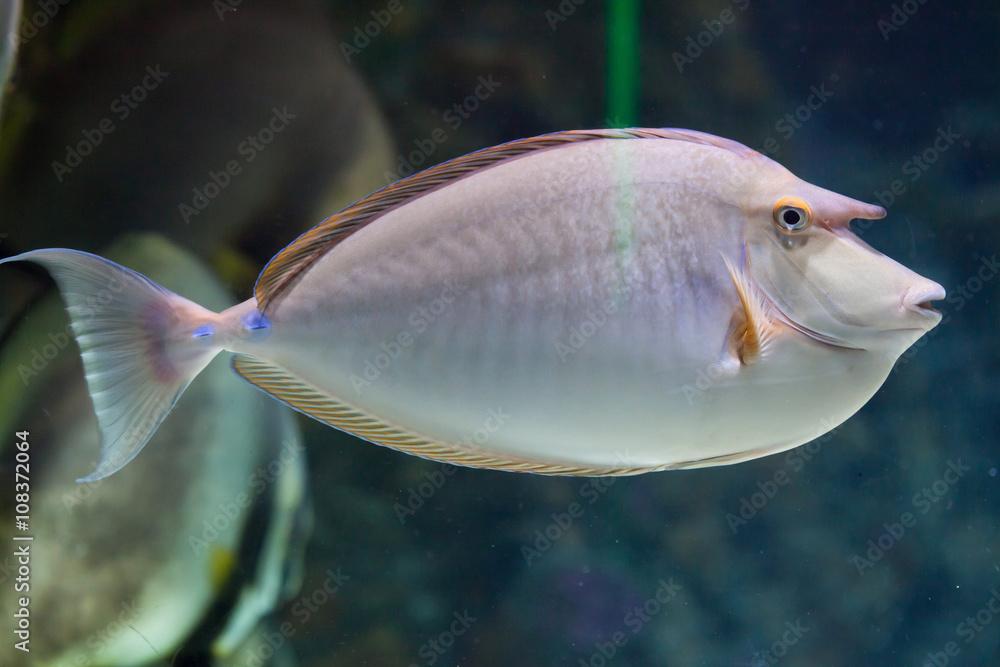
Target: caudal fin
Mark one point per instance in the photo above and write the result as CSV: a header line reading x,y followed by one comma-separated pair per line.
x,y
141,346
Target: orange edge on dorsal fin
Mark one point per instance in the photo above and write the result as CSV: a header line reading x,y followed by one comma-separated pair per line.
x,y
289,264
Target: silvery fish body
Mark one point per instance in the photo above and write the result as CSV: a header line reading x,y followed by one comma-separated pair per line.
x,y
602,302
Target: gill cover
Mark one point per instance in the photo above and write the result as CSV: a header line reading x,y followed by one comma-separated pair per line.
x,y
823,279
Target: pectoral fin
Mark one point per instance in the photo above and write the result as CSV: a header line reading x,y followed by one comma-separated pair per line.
x,y
752,330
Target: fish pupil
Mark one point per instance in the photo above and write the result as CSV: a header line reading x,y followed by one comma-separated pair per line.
x,y
791,217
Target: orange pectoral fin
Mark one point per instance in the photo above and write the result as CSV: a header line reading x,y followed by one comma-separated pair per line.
x,y
751,330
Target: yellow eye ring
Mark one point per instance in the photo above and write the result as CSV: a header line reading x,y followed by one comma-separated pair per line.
x,y
791,214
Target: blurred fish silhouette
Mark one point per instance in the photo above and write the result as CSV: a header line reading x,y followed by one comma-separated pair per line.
x,y
263,57
10,16
615,301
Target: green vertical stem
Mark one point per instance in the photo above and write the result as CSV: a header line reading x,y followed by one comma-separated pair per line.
x,y
623,62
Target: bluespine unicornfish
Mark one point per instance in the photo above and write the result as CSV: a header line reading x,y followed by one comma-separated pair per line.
x,y
602,302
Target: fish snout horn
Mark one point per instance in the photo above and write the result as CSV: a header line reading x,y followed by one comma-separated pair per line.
x,y
836,210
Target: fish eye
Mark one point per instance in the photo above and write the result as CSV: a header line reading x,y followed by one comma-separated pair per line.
x,y
791,214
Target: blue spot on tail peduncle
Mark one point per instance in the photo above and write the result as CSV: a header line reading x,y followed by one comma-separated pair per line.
x,y
256,321
203,331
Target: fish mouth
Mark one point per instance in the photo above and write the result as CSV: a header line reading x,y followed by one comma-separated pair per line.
x,y
920,301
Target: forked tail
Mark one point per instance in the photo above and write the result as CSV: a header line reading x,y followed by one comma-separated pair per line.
x,y
141,346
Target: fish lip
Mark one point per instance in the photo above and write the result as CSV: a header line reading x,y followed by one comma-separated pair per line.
x,y
921,301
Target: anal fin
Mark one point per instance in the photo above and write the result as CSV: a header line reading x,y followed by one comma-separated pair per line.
x,y
312,401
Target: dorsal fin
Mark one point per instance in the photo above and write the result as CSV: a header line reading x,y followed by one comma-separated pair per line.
x,y
289,264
